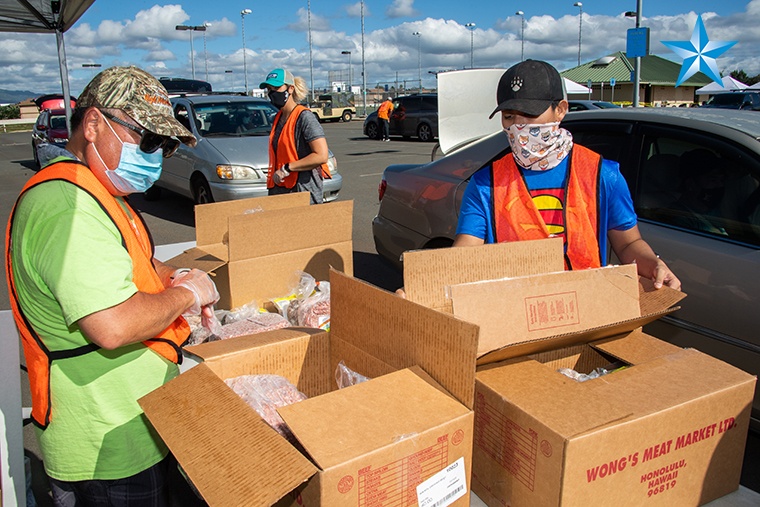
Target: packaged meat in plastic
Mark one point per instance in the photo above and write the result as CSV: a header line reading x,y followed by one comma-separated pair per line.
x,y
314,311
256,323
346,377
264,394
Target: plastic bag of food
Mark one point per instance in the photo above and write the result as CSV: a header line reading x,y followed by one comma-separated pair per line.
x,y
346,377
302,286
242,312
264,394
256,323
314,311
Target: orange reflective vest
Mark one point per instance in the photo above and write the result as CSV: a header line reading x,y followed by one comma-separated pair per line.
x,y
135,239
286,149
516,217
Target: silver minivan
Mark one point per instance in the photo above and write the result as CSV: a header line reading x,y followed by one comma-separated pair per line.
x,y
231,158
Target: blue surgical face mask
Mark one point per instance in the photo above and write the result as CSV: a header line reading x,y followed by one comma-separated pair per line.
x,y
137,171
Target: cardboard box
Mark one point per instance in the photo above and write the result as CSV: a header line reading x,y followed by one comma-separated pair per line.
x,y
371,444
253,247
669,429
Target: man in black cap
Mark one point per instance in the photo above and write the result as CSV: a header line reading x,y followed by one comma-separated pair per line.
x,y
549,186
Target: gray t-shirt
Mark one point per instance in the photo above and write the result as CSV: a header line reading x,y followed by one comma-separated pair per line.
x,y
307,130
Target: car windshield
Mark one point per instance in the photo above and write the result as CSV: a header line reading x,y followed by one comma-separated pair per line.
x,y
58,122
726,99
235,118
605,105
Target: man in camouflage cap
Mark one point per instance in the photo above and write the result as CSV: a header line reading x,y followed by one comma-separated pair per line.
x,y
101,319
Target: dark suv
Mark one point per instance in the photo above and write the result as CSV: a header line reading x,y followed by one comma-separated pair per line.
x,y
413,115
735,100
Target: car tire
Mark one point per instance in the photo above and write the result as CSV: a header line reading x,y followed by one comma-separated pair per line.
x,y
424,133
153,193
201,190
373,130
346,116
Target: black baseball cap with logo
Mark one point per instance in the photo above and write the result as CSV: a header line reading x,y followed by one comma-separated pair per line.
x,y
529,87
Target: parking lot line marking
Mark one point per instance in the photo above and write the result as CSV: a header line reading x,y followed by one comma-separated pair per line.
x,y
372,174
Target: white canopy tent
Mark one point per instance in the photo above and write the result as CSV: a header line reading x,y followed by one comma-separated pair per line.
x,y
755,86
45,16
573,88
729,85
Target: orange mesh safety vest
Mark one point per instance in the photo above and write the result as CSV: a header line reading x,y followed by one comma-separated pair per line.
x,y
516,217
136,241
286,149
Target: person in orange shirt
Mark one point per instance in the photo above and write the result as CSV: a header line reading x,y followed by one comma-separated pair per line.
x,y
384,115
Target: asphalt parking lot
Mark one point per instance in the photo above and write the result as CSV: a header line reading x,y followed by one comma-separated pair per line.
x,y
360,161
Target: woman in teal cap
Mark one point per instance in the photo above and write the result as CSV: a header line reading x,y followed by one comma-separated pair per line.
x,y
297,146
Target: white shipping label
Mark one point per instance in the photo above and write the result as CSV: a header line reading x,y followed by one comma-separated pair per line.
x,y
443,488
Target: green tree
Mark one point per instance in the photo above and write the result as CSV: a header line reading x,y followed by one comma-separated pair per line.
x,y
742,77
11,112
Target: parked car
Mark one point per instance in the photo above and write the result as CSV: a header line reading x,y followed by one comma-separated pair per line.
x,y
334,107
231,158
735,100
718,264
413,115
583,105
178,85
49,130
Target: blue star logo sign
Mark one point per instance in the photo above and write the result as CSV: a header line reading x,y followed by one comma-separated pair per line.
x,y
699,54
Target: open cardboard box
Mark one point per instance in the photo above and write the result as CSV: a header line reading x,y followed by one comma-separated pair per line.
x,y
668,429
370,444
253,247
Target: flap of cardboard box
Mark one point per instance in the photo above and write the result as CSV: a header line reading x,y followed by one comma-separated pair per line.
x,y
206,259
427,273
261,234
369,416
211,219
402,334
210,351
516,310
225,448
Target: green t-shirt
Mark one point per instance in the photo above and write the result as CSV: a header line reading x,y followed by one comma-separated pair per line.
x,y
69,262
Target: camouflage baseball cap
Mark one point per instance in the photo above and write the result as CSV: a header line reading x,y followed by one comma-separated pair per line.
x,y
138,94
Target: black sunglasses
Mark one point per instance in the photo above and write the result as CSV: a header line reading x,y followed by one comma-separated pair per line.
x,y
149,141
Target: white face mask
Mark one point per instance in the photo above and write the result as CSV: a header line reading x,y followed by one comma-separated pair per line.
x,y
539,146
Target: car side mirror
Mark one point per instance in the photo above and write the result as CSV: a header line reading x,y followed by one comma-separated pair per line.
x,y
41,127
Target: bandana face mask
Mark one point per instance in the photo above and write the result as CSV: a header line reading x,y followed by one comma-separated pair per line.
x,y
540,146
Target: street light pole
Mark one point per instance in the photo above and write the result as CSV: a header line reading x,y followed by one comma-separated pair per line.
x,y
242,25
205,53
419,58
580,28
192,29
471,27
349,68
364,73
637,60
311,57
522,35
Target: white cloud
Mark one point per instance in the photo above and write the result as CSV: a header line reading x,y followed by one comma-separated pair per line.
x,y
318,23
355,10
401,9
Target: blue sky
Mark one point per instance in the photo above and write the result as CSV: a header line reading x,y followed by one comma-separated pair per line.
x,y
142,33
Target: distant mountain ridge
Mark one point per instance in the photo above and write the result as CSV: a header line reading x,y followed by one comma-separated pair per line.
x,y
16,96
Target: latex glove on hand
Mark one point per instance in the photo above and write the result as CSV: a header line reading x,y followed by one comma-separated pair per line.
x,y
280,174
203,288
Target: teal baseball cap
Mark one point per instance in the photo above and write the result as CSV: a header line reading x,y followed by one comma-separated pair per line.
x,y
277,78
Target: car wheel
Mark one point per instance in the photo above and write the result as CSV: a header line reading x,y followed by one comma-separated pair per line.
x,y
424,133
373,130
346,116
201,191
153,193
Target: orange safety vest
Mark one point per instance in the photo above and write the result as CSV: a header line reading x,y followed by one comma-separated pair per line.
x,y
516,217
136,241
286,149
